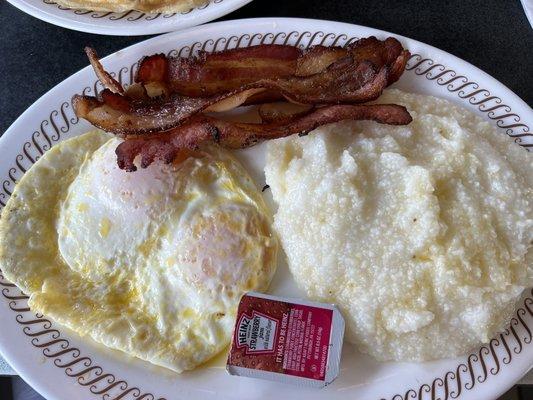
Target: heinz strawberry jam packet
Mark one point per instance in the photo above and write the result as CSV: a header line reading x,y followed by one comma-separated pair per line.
x,y
286,340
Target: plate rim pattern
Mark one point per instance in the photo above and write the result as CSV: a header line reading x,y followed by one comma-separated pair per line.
x,y
477,367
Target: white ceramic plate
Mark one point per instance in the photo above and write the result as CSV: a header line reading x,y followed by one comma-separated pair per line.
x,y
62,365
528,9
128,23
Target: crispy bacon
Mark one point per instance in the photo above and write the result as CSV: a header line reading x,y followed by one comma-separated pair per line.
x,y
152,69
342,82
355,74
107,80
203,129
161,115
213,73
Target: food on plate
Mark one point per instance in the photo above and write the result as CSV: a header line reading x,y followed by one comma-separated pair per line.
x,y
209,74
421,234
160,101
153,263
202,129
147,6
161,114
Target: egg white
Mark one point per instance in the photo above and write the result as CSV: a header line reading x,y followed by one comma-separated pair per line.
x,y
152,263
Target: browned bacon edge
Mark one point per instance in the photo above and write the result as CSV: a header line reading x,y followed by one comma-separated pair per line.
x,y
202,129
107,80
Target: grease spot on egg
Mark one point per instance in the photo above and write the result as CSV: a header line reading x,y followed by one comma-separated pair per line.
x,y
105,227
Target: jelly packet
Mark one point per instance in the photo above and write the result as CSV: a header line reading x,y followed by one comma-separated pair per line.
x,y
286,340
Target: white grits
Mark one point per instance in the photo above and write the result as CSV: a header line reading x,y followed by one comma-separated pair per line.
x,y
419,233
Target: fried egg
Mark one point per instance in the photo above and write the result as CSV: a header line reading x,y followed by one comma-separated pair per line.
x,y
152,263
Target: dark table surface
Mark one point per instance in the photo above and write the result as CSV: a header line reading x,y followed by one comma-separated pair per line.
x,y
494,35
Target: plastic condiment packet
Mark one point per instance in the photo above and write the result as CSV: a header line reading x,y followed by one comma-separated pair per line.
x,y
286,340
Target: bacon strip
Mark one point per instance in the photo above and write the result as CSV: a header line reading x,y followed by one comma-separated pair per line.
x,y
107,80
355,74
343,81
202,129
161,117
360,75
214,73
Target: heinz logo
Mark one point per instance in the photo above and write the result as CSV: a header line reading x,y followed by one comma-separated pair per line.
x,y
244,323
257,333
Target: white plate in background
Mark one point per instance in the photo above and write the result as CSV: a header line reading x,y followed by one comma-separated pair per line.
x,y
528,9
127,23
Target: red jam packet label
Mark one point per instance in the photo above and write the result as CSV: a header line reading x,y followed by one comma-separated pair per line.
x,y
286,340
